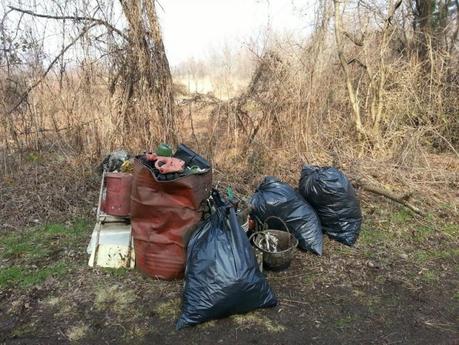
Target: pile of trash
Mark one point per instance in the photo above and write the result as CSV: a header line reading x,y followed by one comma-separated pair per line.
x,y
158,212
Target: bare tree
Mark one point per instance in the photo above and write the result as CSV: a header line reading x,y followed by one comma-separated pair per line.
x,y
375,71
141,72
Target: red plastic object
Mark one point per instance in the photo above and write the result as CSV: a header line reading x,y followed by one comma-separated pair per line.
x,y
117,199
163,217
167,165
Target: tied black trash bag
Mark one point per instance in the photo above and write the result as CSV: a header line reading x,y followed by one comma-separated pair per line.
x,y
331,194
222,275
274,200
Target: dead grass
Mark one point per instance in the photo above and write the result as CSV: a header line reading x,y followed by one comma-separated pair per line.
x,y
119,300
168,310
77,332
257,319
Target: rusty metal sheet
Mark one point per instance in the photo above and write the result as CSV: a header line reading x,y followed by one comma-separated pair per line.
x,y
163,216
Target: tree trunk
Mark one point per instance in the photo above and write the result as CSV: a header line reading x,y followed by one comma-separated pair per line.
x,y
344,66
147,71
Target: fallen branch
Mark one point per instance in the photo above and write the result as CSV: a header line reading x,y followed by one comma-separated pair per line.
x,y
401,199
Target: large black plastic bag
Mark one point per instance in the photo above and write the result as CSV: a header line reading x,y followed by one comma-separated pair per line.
x,y
331,194
222,275
274,200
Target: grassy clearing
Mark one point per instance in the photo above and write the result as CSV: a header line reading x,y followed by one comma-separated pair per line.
x,y
400,228
30,257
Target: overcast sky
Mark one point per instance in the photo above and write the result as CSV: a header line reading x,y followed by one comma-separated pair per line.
x,y
192,28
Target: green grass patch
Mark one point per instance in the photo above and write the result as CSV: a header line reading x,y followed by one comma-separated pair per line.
x,y
40,242
401,216
24,277
76,229
448,254
257,320
116,272
35,254
34,157
422,256
422,233
168,310
24,330
430,276
430,256
451,229
377,235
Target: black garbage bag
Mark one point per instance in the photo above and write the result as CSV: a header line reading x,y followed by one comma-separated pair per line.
x,y
222,276
331,194
275,203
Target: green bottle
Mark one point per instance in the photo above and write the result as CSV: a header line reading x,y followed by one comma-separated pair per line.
x,y
164,150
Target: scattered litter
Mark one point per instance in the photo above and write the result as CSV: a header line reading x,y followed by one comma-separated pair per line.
x,y
185,162
331,194
111,246
164,150
114,161
127,167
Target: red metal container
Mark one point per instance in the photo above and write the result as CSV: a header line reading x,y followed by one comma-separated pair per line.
x,y
116,200
163,217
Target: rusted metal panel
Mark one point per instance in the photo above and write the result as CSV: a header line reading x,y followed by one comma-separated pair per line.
x,y
116,196
163,216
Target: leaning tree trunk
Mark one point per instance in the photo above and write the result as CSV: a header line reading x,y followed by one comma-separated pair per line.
x,y
146,74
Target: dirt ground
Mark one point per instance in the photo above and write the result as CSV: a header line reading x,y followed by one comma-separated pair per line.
x,y
398,285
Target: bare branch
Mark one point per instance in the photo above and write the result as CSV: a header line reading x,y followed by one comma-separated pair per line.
x,y
43,76
74,18
391,13
353,39
358,62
